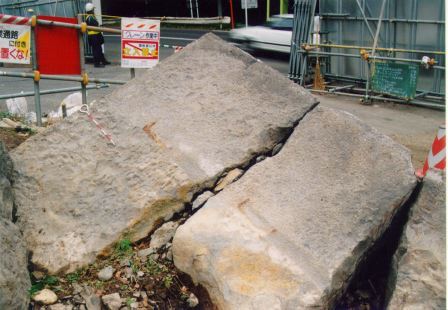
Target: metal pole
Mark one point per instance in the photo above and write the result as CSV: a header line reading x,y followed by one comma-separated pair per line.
x,y
385,49
191,9
245,11
378,28
51,91
413,102
365,18
375,43
220,8
132,73
60,77
197,9
36,81
268,9
82,63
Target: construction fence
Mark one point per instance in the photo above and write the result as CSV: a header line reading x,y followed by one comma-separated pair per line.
x,y
357,46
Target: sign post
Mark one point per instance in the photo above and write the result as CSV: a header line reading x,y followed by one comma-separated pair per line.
x,y
248,4
140,42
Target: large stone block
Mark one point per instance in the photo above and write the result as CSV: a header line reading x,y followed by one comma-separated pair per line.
x,y
421,277
14,278
177,127
6,196
292,231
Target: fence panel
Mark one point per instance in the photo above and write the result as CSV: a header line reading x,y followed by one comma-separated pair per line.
x,y
407,24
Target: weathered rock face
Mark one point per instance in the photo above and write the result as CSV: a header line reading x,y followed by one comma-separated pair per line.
x,y
291,232
14,278
6,197
421,270
179,126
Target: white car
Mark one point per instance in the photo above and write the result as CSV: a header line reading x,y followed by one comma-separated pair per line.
x,y
275,35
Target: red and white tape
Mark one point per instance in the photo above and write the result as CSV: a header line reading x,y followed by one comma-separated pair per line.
x,y
177,48
85,109
15,20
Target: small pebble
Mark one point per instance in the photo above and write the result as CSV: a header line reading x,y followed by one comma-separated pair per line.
x,y
46,297
106,273
192,301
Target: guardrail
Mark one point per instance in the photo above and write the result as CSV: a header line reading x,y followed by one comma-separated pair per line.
x,y
83,78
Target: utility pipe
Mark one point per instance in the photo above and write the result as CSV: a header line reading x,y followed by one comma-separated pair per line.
x,y
413,102
52,91
60,77
370,57
385,49
389,20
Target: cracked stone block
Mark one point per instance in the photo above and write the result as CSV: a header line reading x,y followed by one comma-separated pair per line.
x,y
420,278
14,278
6,197
177,128
291,232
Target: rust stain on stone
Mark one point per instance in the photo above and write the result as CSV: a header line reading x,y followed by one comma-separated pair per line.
x,y
152,135
243,203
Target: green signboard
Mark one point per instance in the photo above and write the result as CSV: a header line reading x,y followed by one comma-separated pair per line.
x,y
399,80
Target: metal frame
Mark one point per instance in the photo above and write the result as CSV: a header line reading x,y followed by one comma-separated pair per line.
x,y
395,25
36,76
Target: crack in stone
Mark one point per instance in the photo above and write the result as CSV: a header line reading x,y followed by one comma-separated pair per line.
x,y
247,165
374,270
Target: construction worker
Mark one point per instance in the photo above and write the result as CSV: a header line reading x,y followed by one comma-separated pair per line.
x,y
95,38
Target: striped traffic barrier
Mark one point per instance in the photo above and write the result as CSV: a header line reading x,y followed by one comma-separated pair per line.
x,y
15,20
437,155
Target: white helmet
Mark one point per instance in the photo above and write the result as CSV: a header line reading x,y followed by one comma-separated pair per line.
x,y
89,7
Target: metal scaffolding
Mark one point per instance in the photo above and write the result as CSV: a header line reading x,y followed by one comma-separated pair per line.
x,y
355,34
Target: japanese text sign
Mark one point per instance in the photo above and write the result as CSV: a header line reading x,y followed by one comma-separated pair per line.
x,y
140,41
15,43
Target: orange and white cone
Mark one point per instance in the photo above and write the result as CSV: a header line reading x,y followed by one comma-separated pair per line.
x,y
437,155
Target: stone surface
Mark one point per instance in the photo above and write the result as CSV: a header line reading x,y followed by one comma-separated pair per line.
x,y
145,252
14,278
229,178
61,307
106,273
192,301
291,232
6,196
201,199
421,270
177,128
93,302
112,301
45,297
163,235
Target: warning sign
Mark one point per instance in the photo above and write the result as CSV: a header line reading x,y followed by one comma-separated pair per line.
x,y
140,41
15,43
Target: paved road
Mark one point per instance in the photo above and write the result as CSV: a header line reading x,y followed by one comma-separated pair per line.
x,y
182,37
172,37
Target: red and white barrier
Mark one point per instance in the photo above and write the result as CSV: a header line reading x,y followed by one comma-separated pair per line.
x,y
437,155
15,20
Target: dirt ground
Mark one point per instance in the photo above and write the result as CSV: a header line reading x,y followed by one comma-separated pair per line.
x,y
411,126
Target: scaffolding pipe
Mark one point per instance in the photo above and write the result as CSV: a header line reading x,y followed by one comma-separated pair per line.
x,y
383,49
370,58
413,102
365,18
52,91
76,26
60,77
389,20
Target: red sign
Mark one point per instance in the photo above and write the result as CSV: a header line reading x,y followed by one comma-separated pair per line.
x,y
58,47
